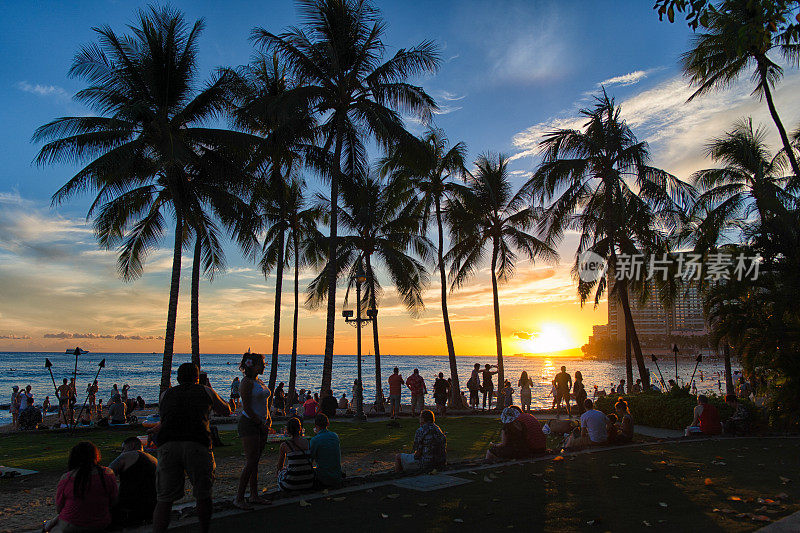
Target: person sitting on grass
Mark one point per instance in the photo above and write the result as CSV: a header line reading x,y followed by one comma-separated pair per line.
x,y
309,407
706,419
85,493
326,452
295,471
594,426
328,404
737,424
429,450
137,484
624,432
116,410
513,440
30,417
343,403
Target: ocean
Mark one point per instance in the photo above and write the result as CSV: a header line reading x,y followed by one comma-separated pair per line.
x,y
142,372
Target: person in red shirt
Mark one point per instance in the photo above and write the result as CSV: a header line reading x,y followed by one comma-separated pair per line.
x,y
85,494
395,392
706,419
533,431
416,384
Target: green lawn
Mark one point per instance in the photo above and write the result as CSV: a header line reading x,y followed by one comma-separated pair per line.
x,y
48,451
655,488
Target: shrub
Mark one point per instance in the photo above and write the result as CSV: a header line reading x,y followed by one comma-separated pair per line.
x,y
673,410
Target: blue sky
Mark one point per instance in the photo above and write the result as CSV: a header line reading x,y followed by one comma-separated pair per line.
x,y
510,71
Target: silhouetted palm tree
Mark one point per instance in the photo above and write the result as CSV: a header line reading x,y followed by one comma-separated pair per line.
x,y
740,34
752,181
598,182
338,52
427,167
382,228
146,143
491,217
285,128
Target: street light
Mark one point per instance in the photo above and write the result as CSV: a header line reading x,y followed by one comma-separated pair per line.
x,y
359,277
675,351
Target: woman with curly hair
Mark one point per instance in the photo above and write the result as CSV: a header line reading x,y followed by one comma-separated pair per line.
x,y
254,426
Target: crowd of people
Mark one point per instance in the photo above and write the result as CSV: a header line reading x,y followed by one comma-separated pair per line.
x,y
138,487
27,415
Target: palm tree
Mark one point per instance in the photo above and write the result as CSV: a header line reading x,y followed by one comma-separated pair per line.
x,y
338,53
307,244
598,182
740,35
752,181
427,167
283,128
490,217
382,229
147,137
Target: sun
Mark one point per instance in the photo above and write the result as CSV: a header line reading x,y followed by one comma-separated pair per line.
x,y
549,337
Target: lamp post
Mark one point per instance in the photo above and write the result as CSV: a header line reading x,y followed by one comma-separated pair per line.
x,y
359,322
675,351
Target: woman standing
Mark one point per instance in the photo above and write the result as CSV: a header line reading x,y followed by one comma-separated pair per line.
x,y
254,426
295,471
579,390
85,494
525,383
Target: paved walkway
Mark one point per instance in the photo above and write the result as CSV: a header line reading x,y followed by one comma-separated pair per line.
x,y
789,524
659,433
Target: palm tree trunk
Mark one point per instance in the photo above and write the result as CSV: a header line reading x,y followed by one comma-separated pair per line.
x,y
172,310
787,146
195,312
628,362
293,364
496,302
729,387
455,389
630,326
379,403
276,327
330,323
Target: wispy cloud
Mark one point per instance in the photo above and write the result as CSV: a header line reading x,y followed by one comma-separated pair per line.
x,y
626,79
117,337
42,90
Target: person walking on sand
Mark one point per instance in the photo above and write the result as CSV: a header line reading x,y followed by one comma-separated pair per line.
x,y
184,446
416,384
488,384
563,386
395,392
254,426
525,383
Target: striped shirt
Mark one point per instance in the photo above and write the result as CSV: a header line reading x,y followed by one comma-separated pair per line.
x,y
297,473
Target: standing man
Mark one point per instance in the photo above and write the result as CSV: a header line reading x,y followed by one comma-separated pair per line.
x,y
563,383
184,445
92,390
441,392
63,395
395,392
235,394
488,384
474,385
418,390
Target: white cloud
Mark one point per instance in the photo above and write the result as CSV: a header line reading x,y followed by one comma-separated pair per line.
x,y
677,130
626,79
42,90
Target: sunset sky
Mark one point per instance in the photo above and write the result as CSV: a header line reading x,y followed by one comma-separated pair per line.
x,y
511,71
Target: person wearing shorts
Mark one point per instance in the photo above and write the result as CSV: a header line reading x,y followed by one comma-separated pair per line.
x,y
184,445
395,391
563,383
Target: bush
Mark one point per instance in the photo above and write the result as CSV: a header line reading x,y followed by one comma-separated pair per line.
x,y
673,410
